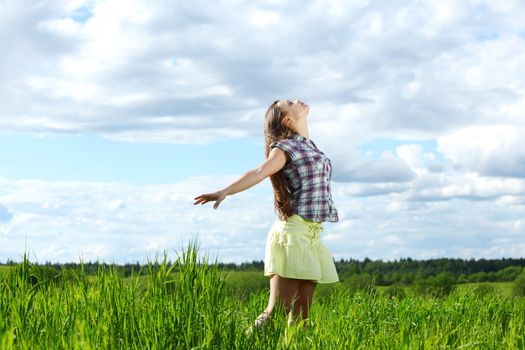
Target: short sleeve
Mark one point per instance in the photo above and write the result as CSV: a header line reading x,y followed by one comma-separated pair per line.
x,y
286,145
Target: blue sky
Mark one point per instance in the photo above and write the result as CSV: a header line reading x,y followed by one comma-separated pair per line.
x,y
89,157
115,114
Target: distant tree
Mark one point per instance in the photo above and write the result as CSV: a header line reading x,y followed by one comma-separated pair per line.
x,y
519,285
509,273
478,277
438,285
363,281
407,278
462,278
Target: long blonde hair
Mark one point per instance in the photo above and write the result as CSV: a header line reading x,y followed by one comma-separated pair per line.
x,y
275,130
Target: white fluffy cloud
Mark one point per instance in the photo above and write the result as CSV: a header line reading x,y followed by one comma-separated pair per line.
x,y
393,225
168,70
411,154
496,150
173,72
387,168
442,186
63,220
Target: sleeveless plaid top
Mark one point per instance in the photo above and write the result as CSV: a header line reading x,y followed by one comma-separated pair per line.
x,y
308,174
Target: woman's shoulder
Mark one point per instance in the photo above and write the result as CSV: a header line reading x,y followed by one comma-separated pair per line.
x,y
288,145
288,142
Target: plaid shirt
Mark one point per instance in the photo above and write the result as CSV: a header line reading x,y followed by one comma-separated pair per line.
x,y
308,176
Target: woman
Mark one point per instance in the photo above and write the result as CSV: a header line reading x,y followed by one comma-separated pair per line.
x,y
295,258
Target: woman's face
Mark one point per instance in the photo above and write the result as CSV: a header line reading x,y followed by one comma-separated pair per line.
x,y
295,110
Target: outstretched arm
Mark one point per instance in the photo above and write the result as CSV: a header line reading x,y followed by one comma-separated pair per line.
x,y
275,161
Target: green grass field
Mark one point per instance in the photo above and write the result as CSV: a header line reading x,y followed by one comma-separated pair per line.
x,y
195,309
504,288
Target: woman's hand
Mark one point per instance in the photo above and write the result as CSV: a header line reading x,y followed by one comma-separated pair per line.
x,y
218,197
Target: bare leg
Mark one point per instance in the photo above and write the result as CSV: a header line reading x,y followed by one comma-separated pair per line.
x,y
283,292
305,297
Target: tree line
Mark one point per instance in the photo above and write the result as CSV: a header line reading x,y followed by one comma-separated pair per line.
x,y
402,271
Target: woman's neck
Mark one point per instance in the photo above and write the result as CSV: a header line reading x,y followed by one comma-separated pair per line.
x,y
301,128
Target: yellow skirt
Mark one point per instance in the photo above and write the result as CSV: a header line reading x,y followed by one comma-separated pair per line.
x,y
294,250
